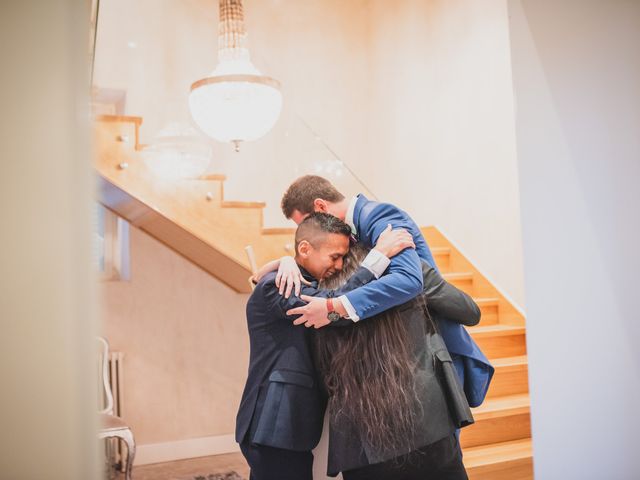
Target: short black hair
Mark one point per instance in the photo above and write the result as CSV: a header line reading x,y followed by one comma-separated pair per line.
x,y
319,223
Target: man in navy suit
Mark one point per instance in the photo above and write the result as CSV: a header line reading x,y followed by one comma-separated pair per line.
x,y
280,416
402,282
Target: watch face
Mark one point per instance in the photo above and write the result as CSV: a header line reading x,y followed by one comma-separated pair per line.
x,y
333,316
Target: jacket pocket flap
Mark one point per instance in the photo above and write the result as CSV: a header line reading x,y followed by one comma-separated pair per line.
x,y
443,355
288,376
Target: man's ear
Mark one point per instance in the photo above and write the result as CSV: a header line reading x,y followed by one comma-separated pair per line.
x,y
304,248
320,205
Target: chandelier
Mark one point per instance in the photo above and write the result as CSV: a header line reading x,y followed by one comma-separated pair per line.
x,y
236,103
177,152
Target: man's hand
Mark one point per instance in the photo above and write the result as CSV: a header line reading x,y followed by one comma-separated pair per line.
x,y
314,313
392,242
289,276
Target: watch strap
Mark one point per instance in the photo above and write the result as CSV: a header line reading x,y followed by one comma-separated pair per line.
x,y
330,307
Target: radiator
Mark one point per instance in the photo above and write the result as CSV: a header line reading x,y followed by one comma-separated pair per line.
x,y
116,380
116,451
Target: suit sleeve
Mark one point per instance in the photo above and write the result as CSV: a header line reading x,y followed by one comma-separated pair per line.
x,y
279,305
403,280
448,301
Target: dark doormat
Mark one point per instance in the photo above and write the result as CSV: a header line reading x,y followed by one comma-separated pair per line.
x,y
220,476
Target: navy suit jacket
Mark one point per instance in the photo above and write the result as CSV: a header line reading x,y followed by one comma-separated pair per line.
x,y
283,402
403,281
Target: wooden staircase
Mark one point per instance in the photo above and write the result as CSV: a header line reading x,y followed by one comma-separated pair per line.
x,y
193,218
190,216
498,445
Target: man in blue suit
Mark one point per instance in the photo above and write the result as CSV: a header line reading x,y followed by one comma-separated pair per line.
x,y
402,282
280,416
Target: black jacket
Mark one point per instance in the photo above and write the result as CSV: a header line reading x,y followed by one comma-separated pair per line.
x,y
438,414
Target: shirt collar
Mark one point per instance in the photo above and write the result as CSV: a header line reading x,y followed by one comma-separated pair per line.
x,y
348,219
307,275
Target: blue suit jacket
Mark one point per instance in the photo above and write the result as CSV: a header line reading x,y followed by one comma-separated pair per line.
x,y
283,402
403,281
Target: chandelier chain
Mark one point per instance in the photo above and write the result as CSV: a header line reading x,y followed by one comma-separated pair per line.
x,y
232,33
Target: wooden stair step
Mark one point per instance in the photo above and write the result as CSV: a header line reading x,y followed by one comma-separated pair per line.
x,y
510,361
481,331
442,256
238,204
458,276
511,376
279,231
461,280
499,420
499,341
503,406
487,302
501,461
490,308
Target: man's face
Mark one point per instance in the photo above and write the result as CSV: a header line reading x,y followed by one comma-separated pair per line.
x,y
325,258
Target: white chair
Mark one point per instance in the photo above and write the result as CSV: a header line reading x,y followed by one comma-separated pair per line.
x,y
110,425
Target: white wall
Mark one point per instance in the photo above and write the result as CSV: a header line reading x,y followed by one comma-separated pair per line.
x,y
441,133
577,84
184,336
48,406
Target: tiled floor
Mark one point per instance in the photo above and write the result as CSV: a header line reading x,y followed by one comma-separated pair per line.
x,y
190,468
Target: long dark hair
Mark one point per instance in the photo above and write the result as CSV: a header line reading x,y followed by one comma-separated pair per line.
x,y
368,370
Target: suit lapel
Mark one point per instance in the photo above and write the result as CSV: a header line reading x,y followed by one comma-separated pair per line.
x,y
360,203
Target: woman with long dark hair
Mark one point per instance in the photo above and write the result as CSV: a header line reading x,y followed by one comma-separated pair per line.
x,y
390,408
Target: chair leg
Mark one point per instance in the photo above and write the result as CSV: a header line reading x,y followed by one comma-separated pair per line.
x,y
127,436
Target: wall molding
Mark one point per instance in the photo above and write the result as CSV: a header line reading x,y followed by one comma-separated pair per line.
x,y
181,449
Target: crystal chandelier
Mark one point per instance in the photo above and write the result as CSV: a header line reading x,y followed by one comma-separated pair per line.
x,y
178,151
236,103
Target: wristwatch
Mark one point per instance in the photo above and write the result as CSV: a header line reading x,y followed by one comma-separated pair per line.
x,y
332,315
